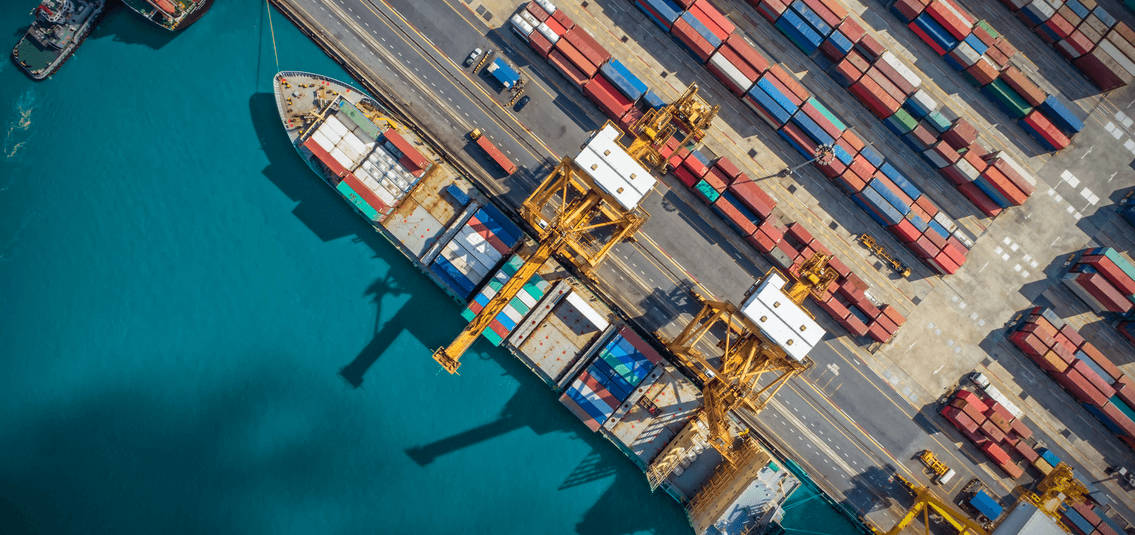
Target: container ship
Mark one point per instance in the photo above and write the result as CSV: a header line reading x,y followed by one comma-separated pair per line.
x,y
603,370
169,14
57,30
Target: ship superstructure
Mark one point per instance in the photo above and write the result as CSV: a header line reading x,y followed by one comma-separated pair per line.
x,y
169,14
58,28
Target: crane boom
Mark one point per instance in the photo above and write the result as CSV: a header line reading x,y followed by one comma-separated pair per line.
x,y
572,221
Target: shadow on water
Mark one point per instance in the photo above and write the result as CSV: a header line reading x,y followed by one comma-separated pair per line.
x,y
532,407
126,26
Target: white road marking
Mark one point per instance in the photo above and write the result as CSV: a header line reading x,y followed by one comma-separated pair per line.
x,y
1089,196
1068,177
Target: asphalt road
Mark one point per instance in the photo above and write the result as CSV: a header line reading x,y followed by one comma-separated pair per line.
x,y
843,423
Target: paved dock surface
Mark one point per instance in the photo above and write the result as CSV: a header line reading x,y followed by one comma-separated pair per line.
x,y
858,415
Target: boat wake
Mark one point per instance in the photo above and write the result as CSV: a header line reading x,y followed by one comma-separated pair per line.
x,y
25,105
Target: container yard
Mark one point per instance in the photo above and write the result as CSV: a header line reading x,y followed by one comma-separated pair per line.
x,y
782,78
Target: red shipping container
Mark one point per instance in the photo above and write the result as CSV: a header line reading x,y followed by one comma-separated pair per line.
x,y
536,11
870,47
610,100
961,134
1112,273
833,12
770,9
1080,388
893,314
955,251
950,19
1023,85
979,199
587,45
909,9
1108,367
887,324
1103,384
852,139
1004,186
564,21
717,23
878,332
540,44
555,26
1022,430
927,206
1059,26
1044,127
943,264
685,176
924,248
851,29
1120,419
575,58
761,241
797,231
850,181
799,137
995,453
889,87
1106,294
905,231
734,216
753,197
892,75
717,180
1025,451
750,55
1086,512
871,95
982,71
834,308
1013,176
960,420
726,166
853,325
789,82
692,39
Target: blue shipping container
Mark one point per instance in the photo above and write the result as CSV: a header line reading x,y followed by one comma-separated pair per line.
x,y
991,192
772,91
936,32
762,99
1036,136
870,211
937,227
653,100
1078,520
811,18
1049,456
890,197
1104,16
505,230
740,206
986,505
900,180
890,214
1059,111
803,36
666,9
1078,8
457,281
627,83
873,156
840,42
843,155
702,30
799,148
812,129
978,46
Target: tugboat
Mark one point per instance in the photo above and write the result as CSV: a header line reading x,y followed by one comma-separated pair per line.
x,y
172,15
58,28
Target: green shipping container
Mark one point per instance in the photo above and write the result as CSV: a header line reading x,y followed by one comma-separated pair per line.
x,y
707,191
357,200
938,121
902,121
1123,407
988,29
492,336
368,128
1012,102
828,114
1120,262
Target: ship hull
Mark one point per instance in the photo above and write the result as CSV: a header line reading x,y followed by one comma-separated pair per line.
x,y
180,24
41,73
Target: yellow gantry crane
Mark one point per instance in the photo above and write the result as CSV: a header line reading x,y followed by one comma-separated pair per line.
x,y
925,503
690,116
576,219
735,376
1051,494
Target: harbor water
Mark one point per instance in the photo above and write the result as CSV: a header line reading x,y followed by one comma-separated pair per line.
x,y
198,335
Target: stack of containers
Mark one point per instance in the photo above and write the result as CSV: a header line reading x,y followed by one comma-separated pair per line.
x,y
806,123
1104,279
1084,33
579,57
737,64
1082,519
619,366
975,48
475,250
999,434
517,308
747,208
1078,366
890,90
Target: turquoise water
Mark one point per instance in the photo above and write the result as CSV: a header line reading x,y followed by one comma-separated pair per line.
x,y
179,297
184,308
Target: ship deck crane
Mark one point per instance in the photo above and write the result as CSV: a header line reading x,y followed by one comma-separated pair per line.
x,y
736,377
580,211
689,115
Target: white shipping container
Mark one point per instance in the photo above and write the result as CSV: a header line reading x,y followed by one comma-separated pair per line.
x,y
946,222
900,67
335,125
548,6
1020,169
997,396
960,234
966,169
513,314
585,310
736,78
385,196
1040,10
455,252
322,140
527,298
924,100
547,33
343,159
528,18
965,54
1119,57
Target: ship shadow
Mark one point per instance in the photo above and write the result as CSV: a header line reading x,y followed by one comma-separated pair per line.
x,y
126,26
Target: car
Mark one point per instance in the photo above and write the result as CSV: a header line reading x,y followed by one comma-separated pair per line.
x,y
476,53
520,104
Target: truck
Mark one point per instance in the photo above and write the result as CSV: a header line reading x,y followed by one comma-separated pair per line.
x,y
942,474
483,141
